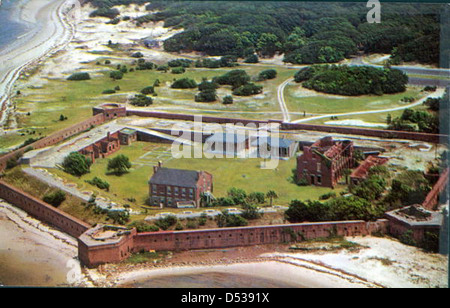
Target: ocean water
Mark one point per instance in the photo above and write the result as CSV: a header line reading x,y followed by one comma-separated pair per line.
x,y
209,280
10,27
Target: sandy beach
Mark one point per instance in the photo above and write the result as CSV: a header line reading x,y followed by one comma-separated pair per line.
x,y
50,31
379,263
34,254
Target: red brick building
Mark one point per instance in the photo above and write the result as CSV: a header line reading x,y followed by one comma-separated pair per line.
x,y
178,188
361,173
323,163
102,148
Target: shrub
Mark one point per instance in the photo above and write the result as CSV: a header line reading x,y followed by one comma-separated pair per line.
x,y
79,76
137,55
248,89
234,78
144,65
109,91
206,97
101,184
116,75
55,198
178,70
252,59
142,226
267,74
166,222
184,83
230,220
105,12
227,100
119,217
180,63
148,90
141,100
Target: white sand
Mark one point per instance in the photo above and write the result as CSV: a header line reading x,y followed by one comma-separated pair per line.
x,y
383,262
34,254
49,33
294,275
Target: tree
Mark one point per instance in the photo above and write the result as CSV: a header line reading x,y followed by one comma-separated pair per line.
x,y
119,164
76,164
253,58
234,78
268,45
271,195
238,195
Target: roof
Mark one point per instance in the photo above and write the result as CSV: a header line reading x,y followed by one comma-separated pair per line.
x,y
128,131
280,142
225,137
175,177
416,216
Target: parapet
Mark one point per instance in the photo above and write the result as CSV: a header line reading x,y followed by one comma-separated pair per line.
x,y
111,110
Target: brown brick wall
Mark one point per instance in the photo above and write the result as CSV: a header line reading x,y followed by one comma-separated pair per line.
x,y
432,199
109,253
55,138
247,236
43,211
434,138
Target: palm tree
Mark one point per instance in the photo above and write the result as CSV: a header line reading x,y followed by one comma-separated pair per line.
x,y
271,195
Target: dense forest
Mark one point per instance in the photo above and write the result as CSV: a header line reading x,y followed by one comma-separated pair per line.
x,y
305,32
352,80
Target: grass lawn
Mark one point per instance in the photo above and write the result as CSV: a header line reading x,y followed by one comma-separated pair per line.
x,y
324,104
39,108
38,189
240,173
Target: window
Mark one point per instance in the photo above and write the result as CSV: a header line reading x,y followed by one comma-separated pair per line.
x,y
319,179
319,167
169,190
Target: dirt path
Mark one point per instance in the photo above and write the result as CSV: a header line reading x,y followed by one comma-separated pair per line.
x,y
438,93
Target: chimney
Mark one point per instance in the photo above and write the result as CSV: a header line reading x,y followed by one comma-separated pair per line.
x,y
156,168
109,136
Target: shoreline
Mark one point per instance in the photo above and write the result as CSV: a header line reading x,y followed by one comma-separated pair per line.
x,y
52,33
34,254
268,269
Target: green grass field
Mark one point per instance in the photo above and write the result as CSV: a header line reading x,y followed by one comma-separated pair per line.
x,y
227,173
330,104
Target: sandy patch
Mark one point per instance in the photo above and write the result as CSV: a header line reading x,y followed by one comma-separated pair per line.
x,y
355,123
386,262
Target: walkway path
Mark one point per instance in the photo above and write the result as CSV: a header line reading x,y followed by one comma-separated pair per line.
x,y
282,102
